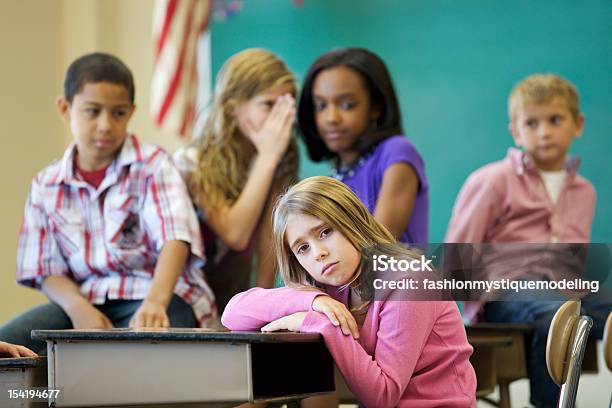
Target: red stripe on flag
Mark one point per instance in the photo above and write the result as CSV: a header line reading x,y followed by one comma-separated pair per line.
x,y
207,18
176,77
189,113
161,40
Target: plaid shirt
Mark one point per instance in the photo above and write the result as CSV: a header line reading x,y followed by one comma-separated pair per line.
x,y
108,239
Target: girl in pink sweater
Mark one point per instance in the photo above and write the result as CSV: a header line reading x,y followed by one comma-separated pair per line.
x,y
391,351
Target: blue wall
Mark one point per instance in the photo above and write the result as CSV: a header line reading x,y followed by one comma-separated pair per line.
x,y
453,63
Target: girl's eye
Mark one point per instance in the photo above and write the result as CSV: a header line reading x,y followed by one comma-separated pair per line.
x,y
120,113
531,123
302,249
268,104
319,106
325,232
347,105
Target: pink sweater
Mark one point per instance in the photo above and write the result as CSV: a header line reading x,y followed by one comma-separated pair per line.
x,y
410,353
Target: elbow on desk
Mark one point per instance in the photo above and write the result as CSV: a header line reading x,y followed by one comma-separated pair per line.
x,y
229,318
233,318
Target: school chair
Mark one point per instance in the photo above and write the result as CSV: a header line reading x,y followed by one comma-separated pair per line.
x,y
567,338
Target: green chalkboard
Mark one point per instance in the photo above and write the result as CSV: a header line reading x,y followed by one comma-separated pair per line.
x,y
453,64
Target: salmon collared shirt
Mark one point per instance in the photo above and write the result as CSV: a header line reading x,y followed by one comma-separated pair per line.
x,y
108,239
506,203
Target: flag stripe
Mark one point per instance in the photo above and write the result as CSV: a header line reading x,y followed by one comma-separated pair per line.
x,y
176,77
163,35
174,88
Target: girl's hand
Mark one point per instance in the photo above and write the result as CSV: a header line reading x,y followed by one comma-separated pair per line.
x,y
275,133
150,314
292,322
337,313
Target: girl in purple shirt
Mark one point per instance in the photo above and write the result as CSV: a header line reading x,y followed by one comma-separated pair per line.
x,y
348,112
392,351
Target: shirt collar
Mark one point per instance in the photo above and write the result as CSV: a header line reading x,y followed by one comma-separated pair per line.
x,y
522,163
130,152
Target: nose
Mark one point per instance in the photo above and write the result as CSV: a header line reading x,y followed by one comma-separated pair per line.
x,y
331,114
104,121
320,252
544,130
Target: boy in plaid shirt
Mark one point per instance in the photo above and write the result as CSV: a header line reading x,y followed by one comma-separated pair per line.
x,y
109,233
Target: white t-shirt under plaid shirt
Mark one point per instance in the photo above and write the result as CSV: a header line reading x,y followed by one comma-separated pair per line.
x,y
108,239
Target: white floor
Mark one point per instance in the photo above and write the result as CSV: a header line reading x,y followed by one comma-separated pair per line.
x,y
594,391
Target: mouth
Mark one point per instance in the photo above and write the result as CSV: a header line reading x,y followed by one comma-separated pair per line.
x,y
546,146
328,267
103,143
333,135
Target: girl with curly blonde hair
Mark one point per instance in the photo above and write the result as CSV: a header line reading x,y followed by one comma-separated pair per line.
x,y
245,157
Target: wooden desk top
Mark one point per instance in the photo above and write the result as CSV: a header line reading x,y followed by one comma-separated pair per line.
x,y
526,328
23,362
487,341
175,334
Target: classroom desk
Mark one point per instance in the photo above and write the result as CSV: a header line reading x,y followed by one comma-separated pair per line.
x,y
484,362
510,361
193,367
21,374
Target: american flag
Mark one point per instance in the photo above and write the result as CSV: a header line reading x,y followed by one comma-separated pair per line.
x,y
177,28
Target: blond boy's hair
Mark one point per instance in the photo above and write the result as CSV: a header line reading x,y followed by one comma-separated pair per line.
x,y
542,88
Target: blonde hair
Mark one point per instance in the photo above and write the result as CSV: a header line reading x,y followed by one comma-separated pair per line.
x,y
224,153
334,203
542,88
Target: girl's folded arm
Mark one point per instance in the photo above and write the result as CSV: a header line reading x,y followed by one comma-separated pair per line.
x,y
379,380
253,309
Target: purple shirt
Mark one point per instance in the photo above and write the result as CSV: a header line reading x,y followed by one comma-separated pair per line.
x,y
367,180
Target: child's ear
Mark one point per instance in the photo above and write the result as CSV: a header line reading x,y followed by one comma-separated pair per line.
x,y
515,133
63,107
579,120
132,109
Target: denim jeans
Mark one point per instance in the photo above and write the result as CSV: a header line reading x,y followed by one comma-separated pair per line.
x,y
544,392
51,317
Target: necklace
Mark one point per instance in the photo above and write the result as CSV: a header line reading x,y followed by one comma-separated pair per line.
x,y
342,173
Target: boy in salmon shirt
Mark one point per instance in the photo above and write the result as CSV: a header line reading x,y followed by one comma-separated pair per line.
x,y
534,195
